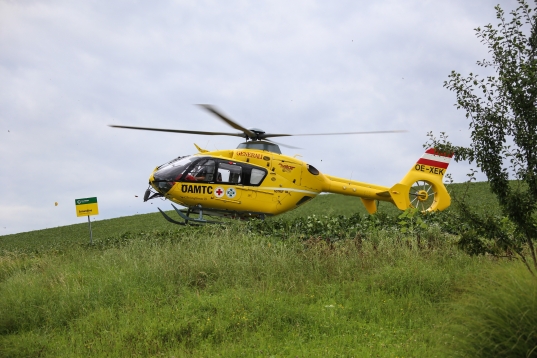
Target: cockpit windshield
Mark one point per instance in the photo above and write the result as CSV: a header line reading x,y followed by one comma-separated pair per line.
x,y
192,168
173,170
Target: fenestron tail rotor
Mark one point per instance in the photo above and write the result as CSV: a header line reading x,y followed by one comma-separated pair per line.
x,y
422,195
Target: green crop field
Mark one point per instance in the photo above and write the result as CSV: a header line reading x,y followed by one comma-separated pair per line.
x,y
309,283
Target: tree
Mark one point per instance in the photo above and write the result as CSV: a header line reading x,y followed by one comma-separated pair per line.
x,y
502,110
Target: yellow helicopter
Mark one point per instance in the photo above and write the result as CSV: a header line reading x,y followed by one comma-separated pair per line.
x,y
256,180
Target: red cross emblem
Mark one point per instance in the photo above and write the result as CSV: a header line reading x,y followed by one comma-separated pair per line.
x,y
219,192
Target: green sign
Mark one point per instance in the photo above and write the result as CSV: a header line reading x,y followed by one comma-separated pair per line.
x,y
86,207
86,201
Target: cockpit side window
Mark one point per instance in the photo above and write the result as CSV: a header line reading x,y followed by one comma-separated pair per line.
x,y
202,171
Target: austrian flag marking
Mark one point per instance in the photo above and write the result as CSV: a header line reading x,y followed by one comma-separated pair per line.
x,y
431,158
219,192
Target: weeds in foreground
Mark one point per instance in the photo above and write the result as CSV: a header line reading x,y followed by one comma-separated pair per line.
x,y
230,291
363,286
497,317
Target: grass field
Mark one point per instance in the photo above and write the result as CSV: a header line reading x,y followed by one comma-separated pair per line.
x,y
149,288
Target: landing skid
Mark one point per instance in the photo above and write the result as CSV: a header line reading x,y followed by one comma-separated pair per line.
x,y
230,214
242,215
187,218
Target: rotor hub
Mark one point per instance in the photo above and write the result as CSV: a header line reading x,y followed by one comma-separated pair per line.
x,y
258,132
422,195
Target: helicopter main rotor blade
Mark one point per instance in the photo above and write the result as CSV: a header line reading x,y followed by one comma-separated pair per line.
x,y
180,131
248,133
269,135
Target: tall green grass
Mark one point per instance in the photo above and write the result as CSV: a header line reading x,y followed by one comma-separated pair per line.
x,y
225,291
497,317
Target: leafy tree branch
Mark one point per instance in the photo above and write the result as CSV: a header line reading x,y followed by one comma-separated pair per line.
x,y
502,111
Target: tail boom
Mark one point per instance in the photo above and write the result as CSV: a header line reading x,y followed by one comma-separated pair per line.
x,y
413,189
368,193
421,188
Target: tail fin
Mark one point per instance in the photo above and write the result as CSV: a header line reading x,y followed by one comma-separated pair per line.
x,y
422,187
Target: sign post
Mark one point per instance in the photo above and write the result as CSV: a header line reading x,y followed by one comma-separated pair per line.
x,y
87,207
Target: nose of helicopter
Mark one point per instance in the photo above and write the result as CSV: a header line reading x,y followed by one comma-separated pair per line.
x,y
162,185
165,176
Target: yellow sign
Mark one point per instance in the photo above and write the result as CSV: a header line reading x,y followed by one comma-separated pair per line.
x,y
86,207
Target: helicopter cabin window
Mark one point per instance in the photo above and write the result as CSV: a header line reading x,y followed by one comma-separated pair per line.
x,y
239,173
229,173
257,176
202,171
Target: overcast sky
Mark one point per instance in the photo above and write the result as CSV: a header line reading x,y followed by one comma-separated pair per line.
x,y
70,68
